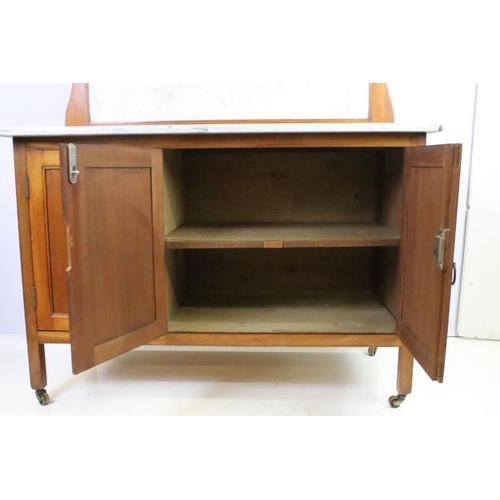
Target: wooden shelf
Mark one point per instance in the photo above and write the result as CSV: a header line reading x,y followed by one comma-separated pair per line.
x,y
284,314
282,235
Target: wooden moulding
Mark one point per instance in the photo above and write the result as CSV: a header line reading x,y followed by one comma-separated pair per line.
x,y
51,337
380,111
276,340
249,141
251,340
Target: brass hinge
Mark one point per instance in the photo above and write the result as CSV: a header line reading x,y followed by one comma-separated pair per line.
x,y
439,247
34,297
72,169
27,184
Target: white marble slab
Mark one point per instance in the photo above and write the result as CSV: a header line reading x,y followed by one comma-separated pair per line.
x,y
167,102
268,128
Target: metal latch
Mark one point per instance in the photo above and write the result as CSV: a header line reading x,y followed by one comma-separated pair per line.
x,y
73,172
439,246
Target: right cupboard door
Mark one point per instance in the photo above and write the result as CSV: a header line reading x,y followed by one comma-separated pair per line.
x,y
427,241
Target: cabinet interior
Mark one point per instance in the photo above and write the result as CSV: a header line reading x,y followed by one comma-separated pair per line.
x,y
285,241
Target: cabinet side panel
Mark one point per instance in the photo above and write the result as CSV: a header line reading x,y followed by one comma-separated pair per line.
x,y
175,278
391,216
389,278
174,209
392,188
173,180
36,355
47,239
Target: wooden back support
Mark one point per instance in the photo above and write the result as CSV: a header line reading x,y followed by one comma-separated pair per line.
x,y
381,110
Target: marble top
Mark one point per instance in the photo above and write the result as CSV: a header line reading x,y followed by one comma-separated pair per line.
x,y
266,128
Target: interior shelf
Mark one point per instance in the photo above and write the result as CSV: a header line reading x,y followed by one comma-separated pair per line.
x,y
281,235
283,314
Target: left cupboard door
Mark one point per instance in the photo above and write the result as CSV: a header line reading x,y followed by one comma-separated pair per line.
x,y
113,216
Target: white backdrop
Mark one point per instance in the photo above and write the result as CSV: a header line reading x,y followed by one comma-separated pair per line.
x,y
480,305
28,105
452,105
21,105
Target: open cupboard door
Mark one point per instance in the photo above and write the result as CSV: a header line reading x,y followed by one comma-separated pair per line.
x,y
428,237
113,212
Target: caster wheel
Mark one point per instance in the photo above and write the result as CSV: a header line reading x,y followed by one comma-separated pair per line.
x,y
372,351
396,401
42,397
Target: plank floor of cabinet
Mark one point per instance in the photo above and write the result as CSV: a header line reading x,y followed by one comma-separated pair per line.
x,y
283,314
251,381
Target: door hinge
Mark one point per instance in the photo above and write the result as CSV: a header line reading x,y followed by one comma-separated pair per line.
x,y
27,187
72,170
34,297
439,247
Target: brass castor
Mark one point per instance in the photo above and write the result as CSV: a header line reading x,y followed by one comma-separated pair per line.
x,y
372,351
42,397
397,401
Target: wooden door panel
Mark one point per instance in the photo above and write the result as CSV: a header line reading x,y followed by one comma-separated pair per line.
x,y
431,194
57,241
47,240
116,276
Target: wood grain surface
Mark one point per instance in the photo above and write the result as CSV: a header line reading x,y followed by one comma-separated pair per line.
x,y
431,196
48,239
286,235
117,296
285,314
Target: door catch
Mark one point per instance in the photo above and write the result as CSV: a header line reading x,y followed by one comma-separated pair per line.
x,y
73,172
439,246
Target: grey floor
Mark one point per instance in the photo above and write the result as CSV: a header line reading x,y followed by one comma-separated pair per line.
x,y
186,381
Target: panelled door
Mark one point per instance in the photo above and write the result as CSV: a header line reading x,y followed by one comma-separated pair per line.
x,y
428,237
47,239
113,215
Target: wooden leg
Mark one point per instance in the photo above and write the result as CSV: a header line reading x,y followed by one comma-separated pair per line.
x,y
405,372
38,370
405,378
